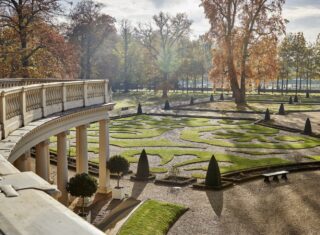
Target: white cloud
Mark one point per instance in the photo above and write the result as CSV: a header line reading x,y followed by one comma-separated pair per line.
x,y
298,13
143,10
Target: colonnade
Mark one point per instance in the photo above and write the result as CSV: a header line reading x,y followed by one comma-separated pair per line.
x,y
42,156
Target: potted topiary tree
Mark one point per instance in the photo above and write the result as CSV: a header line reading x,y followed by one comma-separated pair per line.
x,y
211,98
167,105
82,185
213,177
118,165
267,116
307,127
281,109
139,110
143,172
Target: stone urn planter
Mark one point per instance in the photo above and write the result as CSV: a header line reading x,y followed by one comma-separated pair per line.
x,y
118,193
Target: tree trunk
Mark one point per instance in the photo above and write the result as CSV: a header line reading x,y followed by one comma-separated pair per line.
x,y
187,84
202,77
165,85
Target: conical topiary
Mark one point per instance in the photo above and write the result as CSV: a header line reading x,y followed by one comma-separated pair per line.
x,y
281,109
221,96
143,166
213,177
267,115
290,100
139,110
296,100
307,127
211,98
307,94
191,100
166,105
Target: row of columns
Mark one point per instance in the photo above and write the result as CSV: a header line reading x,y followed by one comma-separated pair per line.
x,y
43,159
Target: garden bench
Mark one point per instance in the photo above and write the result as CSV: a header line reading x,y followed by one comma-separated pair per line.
x,y
275,176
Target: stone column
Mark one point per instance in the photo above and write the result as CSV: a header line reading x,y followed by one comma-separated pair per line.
x,y
62,167
104,154
82,149
42,159
23,163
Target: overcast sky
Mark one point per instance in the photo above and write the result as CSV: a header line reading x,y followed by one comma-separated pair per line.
x,y
304,15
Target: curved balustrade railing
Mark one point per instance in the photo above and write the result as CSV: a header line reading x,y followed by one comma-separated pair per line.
x,y
14,82
22,105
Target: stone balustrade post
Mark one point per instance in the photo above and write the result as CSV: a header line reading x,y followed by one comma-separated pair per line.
x,y
23,105
64,96
62,167
106,92
85,93
43,101
3,114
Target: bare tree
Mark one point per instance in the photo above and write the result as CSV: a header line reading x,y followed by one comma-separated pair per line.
x,y
126,35
161,41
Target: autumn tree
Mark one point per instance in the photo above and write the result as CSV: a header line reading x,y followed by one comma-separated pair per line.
x,y
162,40
20,18
263,64
239,24
56,58
89,29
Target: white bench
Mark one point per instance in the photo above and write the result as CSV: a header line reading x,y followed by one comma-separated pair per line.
x,y
275,176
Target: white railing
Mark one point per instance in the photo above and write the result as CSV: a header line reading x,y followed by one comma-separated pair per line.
x,y
22,105
14,82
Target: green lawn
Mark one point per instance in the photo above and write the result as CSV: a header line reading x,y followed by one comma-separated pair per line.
x,y
152,218
241,139
132,99
256,144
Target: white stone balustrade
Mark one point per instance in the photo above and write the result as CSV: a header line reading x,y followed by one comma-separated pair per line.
x,y
22,105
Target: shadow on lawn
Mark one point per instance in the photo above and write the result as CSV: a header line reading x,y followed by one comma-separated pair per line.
x,y
216,201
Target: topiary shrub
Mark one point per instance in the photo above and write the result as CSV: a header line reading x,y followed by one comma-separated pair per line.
x,y
281,109
221,96
307,127
296,99
82,185
307,94
211,98
166,105
213,177
139,110
290,100
267,116
118,164
143,172
191,100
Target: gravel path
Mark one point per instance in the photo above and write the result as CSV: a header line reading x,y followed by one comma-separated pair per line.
x,y
252,208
